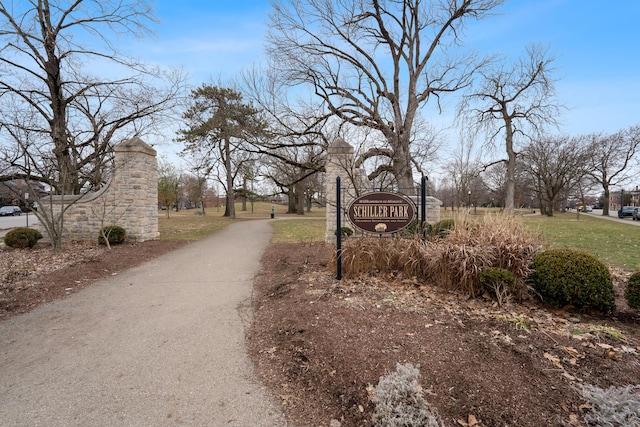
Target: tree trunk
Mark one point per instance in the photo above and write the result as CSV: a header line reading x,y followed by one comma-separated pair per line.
x,y
607,198
291,205
230,210
511,170
403,169
300,198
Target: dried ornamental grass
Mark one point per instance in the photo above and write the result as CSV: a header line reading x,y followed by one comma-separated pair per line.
x,y
453,262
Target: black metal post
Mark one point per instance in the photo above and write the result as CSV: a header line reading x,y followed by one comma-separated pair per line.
x,y
423,201
338,232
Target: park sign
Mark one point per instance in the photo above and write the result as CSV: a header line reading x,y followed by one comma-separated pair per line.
x,y
381,212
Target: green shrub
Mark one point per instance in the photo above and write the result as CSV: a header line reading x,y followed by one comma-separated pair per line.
x,y
442,228
500,283
22,237
113,233
632,291
345,231
571,277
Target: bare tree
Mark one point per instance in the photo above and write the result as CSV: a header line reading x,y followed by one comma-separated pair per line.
x,y
375,63
75,117
555,165
463,170
58,122
611,156
169,185
511,101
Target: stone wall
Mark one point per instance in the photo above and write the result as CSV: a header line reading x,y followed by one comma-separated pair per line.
x,y
129,200
353,183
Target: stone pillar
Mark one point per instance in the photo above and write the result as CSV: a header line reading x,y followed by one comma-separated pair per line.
x,y
135,185
340,162
129,200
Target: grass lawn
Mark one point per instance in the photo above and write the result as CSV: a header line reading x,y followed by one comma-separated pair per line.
x,y
190,225
614,243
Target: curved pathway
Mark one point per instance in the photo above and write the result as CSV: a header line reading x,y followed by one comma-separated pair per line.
x,y
161,344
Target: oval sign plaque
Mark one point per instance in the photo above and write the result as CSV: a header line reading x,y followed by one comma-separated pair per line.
x,y
381,212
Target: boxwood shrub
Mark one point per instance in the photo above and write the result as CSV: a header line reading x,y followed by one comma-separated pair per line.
x,y
22,237
632,291
568,277
113,233
494,279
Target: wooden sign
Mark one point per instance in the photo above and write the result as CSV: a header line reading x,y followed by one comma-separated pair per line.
x,y
381,212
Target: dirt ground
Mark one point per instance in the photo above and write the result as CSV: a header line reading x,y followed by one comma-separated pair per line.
x,y
318,343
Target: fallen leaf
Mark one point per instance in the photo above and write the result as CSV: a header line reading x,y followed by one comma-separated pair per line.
x,y
572,351
613,355
554,359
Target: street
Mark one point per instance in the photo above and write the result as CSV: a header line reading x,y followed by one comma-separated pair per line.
x,y
24,220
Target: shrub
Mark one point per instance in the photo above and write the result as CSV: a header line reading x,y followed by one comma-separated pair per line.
x,y
500,283
399,400
615,406
113,233
571,277
632,291
22,237
345,232
442,228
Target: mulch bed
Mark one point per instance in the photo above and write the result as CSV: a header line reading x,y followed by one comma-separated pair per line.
x,y
318,343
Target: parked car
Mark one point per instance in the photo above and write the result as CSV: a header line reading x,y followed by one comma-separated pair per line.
x,y
10,211
636,214
626,211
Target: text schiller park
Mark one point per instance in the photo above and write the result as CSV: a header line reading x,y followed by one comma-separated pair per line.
x,y
380,211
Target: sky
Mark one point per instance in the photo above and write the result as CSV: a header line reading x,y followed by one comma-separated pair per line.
x,y
596,44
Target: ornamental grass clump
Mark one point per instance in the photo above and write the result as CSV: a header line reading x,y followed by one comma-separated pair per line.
x,y
568,277
452,261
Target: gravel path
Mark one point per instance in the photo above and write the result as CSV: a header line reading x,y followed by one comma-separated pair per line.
x,y
158,345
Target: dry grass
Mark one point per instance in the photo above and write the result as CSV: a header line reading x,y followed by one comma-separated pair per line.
x,y
453,262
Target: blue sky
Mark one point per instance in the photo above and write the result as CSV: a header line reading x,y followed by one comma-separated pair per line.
x,y
596,43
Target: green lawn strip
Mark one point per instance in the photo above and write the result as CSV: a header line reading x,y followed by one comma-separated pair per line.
x,y
614,243
192,225
298,230
187,225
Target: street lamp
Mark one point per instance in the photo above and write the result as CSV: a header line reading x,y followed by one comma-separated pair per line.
x,y
469,202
